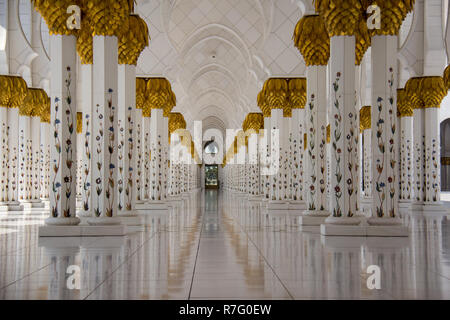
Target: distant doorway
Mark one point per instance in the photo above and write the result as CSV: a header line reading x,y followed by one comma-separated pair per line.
x,y
211,176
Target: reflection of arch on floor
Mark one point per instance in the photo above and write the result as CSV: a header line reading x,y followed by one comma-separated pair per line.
x,y
445,155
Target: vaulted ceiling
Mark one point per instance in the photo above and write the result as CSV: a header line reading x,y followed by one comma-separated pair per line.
x,y
218,53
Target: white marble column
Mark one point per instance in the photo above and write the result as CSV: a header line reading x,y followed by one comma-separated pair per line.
x,y
298,164
277,199
24,171
156,159
4,132
367,167
344,133
432,154
63,122
316,129
13,160
104,131
406,159
45,161
419,156
139,157
385,144
86,147
36,161
128,118
146,163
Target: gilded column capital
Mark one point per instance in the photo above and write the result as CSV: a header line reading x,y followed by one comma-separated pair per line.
x,y
341,16
328,133
19,91
133,40
446,77
312,40
253,122
365,118
297,92
276,93
141,87
79,122
362,41
413,87
107,17
176,121
5,90
393,12
432,91
262,104
30,103
55,14
85,43
45,115
404,108
160,94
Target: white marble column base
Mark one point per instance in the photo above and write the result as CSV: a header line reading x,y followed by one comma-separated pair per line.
x,y
152,205
277,205
311,220
130,220
15,207
366,206
297,205
82,231
103,221
363,230
254,198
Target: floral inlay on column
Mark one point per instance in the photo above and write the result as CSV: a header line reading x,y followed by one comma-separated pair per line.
x,y
337,152
87,165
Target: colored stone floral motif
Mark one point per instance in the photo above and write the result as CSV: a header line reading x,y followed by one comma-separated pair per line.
x,y
87,165
337,152
66,184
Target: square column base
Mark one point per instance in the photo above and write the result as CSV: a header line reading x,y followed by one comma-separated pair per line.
x,y
254,198
15,207
363,230
82,231
310,220
297,205
152,205
277,205
130,220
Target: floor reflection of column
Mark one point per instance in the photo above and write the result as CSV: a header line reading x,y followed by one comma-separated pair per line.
x,y
103,258
391,255
343,272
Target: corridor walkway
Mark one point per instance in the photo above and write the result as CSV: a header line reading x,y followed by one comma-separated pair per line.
x,y
216,246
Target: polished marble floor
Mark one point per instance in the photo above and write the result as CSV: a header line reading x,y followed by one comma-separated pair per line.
x,y
217,246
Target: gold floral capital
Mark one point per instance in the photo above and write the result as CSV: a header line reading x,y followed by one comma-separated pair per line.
x,y
393,12
432,91
404,108
446,77
297,93
55,14
34,103
341,16
160,95
107,17
312,40
412,88
79,122
365,121
253,122
133,40
45,115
